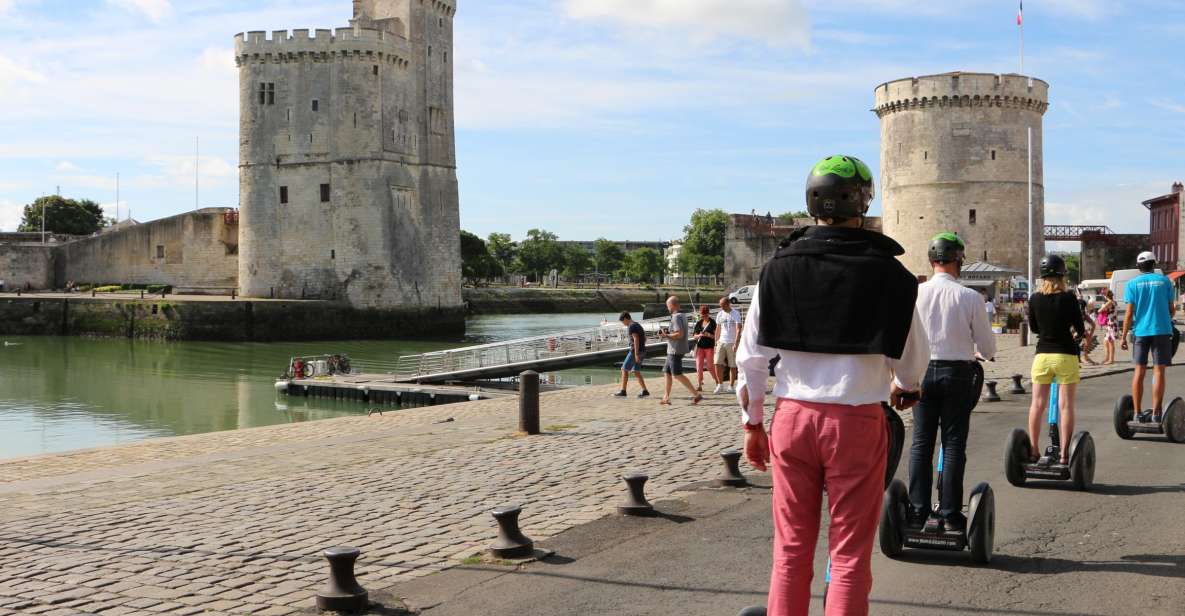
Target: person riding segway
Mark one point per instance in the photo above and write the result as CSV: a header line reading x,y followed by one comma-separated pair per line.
x,y
1054,315
1150,310
958,330
839,360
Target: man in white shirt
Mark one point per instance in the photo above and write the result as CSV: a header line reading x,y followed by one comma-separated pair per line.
x,y
957,327
990,307
840,357
728,323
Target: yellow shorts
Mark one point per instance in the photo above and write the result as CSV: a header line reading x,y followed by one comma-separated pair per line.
x,y
1046,366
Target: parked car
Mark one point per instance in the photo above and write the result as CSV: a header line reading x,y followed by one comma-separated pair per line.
x,y
743,295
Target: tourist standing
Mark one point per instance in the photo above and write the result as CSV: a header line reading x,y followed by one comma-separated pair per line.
x,y
728,324
1150,309
838,309
990,307
705,346
676,336
1106,321
1055,316
635,356
1088,341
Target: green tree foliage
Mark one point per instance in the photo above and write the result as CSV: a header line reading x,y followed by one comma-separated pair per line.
x,y
788,218
476,261
1073,268
577,261
540,253
503,249
644,265
76,217
609,257
703,244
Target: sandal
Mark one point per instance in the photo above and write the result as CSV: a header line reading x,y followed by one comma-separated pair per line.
x,y
697,400
664,402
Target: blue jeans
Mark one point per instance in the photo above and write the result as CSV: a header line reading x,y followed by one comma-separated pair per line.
x,y
949,393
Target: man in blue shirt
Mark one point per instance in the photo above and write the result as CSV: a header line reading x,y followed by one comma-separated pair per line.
x,y
1150,308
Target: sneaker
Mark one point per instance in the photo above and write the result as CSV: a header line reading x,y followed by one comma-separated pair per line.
x,y
933,525
956,524
620,394
728,389
644,394
719,388
915,519
1145,416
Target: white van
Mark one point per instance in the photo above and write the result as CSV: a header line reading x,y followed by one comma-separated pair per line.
x,y
1119,280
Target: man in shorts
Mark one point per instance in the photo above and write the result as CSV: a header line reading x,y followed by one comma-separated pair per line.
x,y
676,337
1150,310
635,356
728,323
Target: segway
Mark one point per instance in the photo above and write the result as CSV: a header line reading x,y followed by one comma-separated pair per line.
x,y
896,432
1080,471
1171,424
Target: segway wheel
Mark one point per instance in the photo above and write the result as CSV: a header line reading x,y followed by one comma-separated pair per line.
x,y
1174,421
1125,411
896,432
1082,460
981,532
1016,455
892,531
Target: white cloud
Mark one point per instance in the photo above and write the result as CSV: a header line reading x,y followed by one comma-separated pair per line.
x,y
5,6
67,167
10,215
777,22
1087,9
155,10
1168,105
12,73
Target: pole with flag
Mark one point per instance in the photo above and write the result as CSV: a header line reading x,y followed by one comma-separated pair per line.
x,y
1020,25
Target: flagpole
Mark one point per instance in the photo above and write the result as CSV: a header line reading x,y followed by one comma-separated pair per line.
x,y
1030,157
1021,24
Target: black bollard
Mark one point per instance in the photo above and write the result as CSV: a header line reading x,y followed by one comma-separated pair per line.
x,y
1024,334
731,477
528,402
636,503
342,594
991,396
511,543
1017,387
141,293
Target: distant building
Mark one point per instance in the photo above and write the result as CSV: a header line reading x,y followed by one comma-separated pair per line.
x,y
1164,227
672,254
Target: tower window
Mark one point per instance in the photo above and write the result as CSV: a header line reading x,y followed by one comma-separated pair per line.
x,y
289,114
446,56
926,155
267,93
993,155
440,21
325,193
316,104
160,251
376,69
429,51
355,120
283,195
332,254
971,217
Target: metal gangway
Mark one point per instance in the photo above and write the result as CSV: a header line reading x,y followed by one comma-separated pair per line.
x,y
546,353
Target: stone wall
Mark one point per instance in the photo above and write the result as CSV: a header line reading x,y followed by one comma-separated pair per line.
x,y
954,157
1107,253
750,241
196,250
27,266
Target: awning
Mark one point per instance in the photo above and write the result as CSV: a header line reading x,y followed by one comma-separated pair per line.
x,y
1175,275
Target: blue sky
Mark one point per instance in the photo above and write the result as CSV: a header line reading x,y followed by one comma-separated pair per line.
x,y
593,118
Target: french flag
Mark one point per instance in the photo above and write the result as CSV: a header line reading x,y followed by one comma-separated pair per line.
x,y
1020,15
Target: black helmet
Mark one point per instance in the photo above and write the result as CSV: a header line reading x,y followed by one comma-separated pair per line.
x,y
839,187
946,248
1053,265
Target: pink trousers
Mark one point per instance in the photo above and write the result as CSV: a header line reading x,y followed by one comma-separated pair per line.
x,y
842,449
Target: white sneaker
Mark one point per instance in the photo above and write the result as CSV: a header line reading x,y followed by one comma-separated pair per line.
x,y
718,389
728,389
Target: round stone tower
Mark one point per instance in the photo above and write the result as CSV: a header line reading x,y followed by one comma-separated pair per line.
x,y
954,157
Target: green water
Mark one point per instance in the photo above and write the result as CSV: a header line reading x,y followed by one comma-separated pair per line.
x,y
59,394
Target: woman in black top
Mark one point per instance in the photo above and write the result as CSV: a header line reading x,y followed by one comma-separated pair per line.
x,y
1056,317
705,346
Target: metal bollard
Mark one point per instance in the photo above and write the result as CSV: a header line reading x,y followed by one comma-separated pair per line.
x,y
991,396
731,477
1024,334
511,543
342,594
528,402
141,293
1017,386
636,503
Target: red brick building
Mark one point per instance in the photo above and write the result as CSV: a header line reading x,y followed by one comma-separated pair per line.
x,y
1164,215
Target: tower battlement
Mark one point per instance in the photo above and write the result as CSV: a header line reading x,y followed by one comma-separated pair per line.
x,y
321,45
962,90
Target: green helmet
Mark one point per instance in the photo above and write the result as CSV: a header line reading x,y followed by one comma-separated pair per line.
x,y
947,247
839,187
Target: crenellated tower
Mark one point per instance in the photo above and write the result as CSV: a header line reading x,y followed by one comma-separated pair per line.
x,y
347,160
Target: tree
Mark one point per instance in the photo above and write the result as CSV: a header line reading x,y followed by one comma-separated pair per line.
x,y
540,253
74,217
644,265
1073,269
476,261
788,218
577,261
609,256
704,242
503,249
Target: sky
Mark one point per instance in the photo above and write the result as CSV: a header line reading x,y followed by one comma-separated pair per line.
x,y
599,118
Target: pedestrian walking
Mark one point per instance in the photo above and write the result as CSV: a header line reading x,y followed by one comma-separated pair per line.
x,y
1150,310
635,356
1055,316
838,309
677,337
1088,341
990,307
1106,320
704,335
728,324
958,330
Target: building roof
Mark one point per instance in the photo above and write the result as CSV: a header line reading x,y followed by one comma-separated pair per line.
x,y
982,270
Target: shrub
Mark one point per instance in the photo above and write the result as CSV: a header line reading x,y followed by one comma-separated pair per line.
x,y
111,288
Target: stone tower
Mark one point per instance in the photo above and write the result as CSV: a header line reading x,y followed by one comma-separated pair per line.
x,y
954,158
347,160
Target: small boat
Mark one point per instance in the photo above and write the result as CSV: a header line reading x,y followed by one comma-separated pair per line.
x,y
281,385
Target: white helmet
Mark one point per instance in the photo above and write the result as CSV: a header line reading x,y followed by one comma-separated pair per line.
x,y
1145,257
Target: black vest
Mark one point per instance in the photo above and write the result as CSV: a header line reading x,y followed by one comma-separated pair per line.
x,y
838,291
